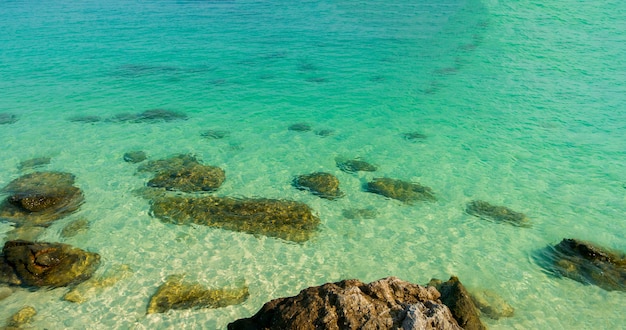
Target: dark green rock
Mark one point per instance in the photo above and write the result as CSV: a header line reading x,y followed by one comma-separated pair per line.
x,y
322,184
41,264
215,134
135,157
184,173
407,192
355,165
156,115
300,127
413,136
455,296
33,163
587,263
169,164
325,132
39,198
7,118
288,220
85,119
496,213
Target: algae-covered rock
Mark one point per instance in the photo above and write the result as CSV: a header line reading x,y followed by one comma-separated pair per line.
x,y
587,263
496,213
322,184
22,317
98,283
42,264
190,178
388,303
175,293
491,304
33,163
355,165
289,220
401,190
74,228
455,296
134,157
169,164
39,198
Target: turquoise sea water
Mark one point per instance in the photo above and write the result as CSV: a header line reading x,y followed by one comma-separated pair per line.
x,y
523,104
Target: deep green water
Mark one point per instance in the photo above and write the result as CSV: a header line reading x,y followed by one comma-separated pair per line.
x,y
522,104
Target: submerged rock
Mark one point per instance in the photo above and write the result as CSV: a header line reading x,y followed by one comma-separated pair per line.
x,y
23,317
26,232
587,263
491,304
135,157
389,303
150,116
322,184
325,132
355,165
413,136
175,293
365,213
7,118
401,190
455,296
215,134
85,119
96,284
288,220
184,173
300,127
41,197
41,264
74,228
495,213
34,162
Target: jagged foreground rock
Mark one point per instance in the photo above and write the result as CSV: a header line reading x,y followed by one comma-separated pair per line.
x,y
40,264
389,303
288,220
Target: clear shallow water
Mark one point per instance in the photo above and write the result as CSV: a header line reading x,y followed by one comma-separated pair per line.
x,y
522,105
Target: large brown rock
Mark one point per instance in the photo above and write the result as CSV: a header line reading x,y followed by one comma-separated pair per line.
x,y
184,173
587,263
458,299
322,184
42,264
404,191
40,198
389,303
288,220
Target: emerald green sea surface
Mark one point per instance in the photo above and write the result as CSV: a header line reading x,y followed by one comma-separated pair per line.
x,y
519,103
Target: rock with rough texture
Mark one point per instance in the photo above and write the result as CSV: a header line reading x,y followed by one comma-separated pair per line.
x,y
33,163
175,293
496,213
74,228
455,296
322,184
40,264
355,165
407,192
183,173
40,198
491,304
23,317
389,303
288,220
134,157
587,263
98,283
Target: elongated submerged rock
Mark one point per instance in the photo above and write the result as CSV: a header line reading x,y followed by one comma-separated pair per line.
x,y
289,220
587,263
404,191
184,173
40,264
389,303
497,213
39,198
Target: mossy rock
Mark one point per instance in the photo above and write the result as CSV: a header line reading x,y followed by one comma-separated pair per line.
x,y
23,317
299,127
190,178
175,293
491,304
457,298
97,284
355,165
41,264
587,263
40,198
404,191
288,220
324,185
496,213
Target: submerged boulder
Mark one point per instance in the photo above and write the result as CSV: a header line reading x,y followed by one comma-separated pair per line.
x,y
41,264
322,184
491,304
97,284
134,157
41,197
413,136
184,173
401,190
175,293
150,116
299,127
215,134
7,118
389,303
496,213
587,263
455,296
355,165
33,163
